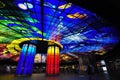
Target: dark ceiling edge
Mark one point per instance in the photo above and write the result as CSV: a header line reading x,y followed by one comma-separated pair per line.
x,y
107,9
113,54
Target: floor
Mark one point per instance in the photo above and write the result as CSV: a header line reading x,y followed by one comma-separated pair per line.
x,y
62,76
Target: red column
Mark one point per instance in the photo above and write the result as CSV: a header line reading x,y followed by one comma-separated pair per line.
x,y
52,65
57,60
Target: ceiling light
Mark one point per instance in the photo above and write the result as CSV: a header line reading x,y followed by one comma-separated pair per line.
x,y
22,6
29,5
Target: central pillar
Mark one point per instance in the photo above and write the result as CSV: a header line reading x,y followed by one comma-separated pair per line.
x,y
53,60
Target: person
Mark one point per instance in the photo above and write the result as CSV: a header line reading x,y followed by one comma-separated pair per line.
x,y
8,69
90,71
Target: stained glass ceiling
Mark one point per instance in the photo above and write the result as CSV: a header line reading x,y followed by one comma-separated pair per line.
x,y
76,28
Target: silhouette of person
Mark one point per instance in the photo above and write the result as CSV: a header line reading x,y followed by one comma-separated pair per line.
x,y
89,71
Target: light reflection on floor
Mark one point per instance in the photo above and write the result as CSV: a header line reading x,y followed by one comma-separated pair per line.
x,y
60,77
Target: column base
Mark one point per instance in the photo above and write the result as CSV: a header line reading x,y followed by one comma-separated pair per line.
x,y
52,74
23,75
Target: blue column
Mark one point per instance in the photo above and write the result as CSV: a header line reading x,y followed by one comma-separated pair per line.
x,y
21,60
25,63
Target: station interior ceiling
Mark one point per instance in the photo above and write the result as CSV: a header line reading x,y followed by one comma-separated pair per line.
x,y
81,26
